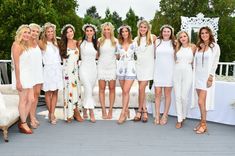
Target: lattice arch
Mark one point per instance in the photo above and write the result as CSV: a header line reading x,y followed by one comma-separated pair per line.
x,y
193,24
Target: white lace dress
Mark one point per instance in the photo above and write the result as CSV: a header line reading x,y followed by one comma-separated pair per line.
x,y
107,61
88,72
145,60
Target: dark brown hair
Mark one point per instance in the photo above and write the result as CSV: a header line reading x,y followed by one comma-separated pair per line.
x,y
120,38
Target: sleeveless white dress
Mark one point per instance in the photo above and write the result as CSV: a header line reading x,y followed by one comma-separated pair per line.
x,y
145,60
72,86
26,70
126,65
37,65
164,64
107,61
52,70
88,72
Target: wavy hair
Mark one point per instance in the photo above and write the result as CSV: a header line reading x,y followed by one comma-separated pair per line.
x,y
43,36
120,38
63,44
18,36
179,44
102,38
211,38
148,35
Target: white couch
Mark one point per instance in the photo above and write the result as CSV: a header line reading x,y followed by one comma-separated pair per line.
x,y
9,113
118,98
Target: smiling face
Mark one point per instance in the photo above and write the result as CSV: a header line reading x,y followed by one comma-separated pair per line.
x,y
89,32
166,33
183,38
50,33
205,35
26,34
34,32
69,33
107,31
125,33
143,29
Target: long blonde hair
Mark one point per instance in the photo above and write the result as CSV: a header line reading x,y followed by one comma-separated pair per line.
x,y
18,37
102,38
43,36
148,35
34,25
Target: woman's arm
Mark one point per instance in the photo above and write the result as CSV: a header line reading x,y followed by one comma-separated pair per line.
x,y
216,56
16,52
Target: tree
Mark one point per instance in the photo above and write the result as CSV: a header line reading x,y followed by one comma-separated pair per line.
x,y
14,13
131,20
172,10
92,12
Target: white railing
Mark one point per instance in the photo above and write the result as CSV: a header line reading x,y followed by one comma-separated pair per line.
x,y
224,69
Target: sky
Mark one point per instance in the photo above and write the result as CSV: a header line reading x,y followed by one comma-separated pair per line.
x,y
142,8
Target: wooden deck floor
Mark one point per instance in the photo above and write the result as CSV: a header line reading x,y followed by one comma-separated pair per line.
x,y
107,138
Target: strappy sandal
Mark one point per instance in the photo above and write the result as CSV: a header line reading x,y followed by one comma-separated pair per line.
x,y
145,116
163,120
203,128
138,118
157,120
179,125
197,127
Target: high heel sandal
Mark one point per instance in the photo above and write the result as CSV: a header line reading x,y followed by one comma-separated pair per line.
x,y
145,118
69,120
197,127
163,120
138,116
24,130
179,125
77,115
157,120
33,125
203,128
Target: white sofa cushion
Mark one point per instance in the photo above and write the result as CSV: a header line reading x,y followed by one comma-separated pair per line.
x,y
2,105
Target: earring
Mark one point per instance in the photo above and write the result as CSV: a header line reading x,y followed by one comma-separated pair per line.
x,y
85,37
93,37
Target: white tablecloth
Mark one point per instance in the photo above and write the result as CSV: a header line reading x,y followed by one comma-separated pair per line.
x,y
224,111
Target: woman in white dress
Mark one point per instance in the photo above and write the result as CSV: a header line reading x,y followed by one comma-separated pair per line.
x,y
22,75
36,54
72,89
205,64
183,75
107,67
52,70
126,72
163,71
144,65
88,68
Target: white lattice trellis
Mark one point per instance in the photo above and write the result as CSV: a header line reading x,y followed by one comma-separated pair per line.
x,y
189,23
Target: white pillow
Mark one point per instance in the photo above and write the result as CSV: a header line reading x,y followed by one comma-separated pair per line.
x,y
2,104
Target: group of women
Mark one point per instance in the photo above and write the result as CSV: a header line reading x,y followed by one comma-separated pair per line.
x,y
45,63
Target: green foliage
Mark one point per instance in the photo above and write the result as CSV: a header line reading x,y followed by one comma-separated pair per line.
x,y
14,13
172,10
131,20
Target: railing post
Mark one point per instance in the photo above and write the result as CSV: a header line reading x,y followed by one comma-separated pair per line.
x,y
234,69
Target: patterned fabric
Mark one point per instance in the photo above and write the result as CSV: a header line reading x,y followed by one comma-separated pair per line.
x,y
72,88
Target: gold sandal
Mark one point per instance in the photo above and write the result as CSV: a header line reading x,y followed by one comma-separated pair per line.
x,y
163,120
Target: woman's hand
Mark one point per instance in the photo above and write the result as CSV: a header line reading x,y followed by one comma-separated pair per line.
x,y
19,86
209,81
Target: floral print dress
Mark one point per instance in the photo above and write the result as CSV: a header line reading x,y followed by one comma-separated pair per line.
x,y
72,88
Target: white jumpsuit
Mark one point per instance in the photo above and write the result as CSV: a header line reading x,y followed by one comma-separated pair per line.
x,y
183,81
88,73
